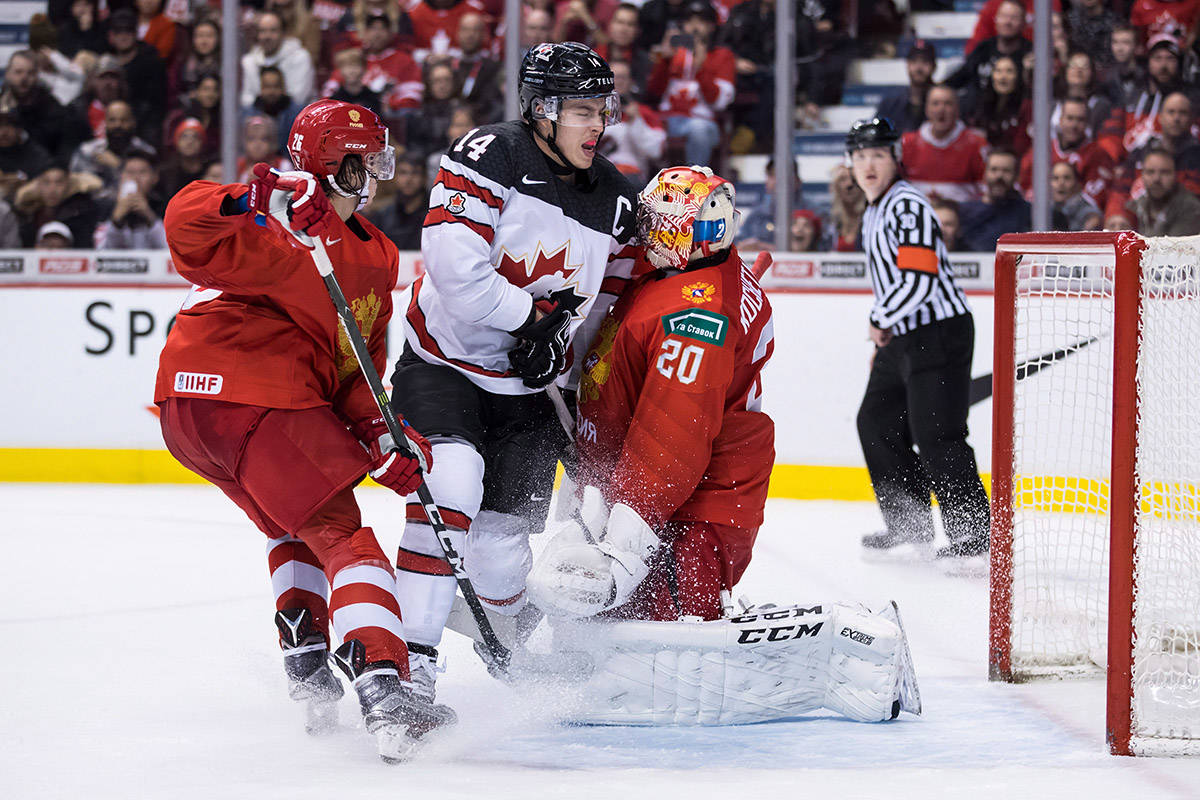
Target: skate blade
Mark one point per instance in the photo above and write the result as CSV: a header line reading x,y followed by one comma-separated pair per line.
x,y
907,553
394,745
322,717
910,692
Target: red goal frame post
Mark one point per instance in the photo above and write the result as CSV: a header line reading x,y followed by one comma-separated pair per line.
x,y
1125,249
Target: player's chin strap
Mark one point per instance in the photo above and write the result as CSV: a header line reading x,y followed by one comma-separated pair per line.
x,y
363,194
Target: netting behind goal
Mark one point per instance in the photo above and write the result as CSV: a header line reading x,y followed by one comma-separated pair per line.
x,y
1087,324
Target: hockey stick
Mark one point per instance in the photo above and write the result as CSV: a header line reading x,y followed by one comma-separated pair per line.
x,y
762,263
324,267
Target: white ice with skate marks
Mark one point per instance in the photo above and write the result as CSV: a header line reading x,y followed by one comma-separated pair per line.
x,y
140,661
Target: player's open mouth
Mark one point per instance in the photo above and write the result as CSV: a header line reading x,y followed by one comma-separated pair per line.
x,y
589,146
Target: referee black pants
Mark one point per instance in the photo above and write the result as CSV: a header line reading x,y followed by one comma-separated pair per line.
x,y
912,425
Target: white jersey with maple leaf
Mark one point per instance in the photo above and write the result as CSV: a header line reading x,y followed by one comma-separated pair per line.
x,y
503,232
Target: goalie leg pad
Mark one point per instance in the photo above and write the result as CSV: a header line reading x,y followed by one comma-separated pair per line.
x,y
770,665
424,582
865,665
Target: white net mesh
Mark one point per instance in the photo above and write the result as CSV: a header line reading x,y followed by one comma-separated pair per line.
x,y
1061,444
1166,620
1062,440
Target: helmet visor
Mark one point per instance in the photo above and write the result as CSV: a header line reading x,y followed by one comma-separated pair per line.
x,y
580,112
381,165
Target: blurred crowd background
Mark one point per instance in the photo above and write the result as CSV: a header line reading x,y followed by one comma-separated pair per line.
x,y
108,107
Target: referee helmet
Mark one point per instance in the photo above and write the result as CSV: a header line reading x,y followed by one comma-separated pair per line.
x,y
874,132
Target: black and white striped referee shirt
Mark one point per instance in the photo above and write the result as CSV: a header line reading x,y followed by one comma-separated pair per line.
x,y
910,271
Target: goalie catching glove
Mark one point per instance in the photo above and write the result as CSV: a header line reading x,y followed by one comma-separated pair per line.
x,y
595,561
398,468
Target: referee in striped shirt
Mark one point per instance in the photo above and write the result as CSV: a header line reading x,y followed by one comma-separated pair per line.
x,y
913,419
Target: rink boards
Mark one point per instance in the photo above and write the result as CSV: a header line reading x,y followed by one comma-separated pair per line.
x,y
83,332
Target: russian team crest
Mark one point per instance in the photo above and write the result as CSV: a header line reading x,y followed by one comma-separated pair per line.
x,y
699,292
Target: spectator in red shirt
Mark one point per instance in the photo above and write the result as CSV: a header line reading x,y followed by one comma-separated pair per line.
x,y
1174,18
1131,126
1072,144
943,156
435,25
155,29
985,26
695,83
1175,137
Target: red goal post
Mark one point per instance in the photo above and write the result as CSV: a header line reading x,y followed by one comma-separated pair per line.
x,y
1095,474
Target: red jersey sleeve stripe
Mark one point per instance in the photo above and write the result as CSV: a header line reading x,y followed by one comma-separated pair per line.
x,y
440,216
464,184
919,259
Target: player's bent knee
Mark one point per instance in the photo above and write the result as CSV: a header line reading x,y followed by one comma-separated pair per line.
x,y
497,557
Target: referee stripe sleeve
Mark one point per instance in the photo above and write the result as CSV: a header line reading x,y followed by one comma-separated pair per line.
x,y
916,288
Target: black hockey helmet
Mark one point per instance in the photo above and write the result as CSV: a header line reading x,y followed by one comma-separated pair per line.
x,y
874,132
554,70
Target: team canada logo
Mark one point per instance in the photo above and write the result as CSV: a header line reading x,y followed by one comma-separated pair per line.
x,y
457,203
699,292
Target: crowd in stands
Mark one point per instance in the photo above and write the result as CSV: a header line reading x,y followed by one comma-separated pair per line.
x,y
116,104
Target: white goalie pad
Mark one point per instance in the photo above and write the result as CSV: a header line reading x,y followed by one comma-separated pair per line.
x,y
772,664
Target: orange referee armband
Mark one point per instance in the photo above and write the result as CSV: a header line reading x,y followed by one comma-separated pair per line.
x,y
919,259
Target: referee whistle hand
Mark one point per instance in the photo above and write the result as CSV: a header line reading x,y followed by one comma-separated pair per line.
x,y
878,336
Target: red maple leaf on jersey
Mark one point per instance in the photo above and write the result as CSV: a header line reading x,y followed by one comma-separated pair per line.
x,y
520,272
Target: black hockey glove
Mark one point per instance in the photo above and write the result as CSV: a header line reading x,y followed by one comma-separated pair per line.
x,y
541,351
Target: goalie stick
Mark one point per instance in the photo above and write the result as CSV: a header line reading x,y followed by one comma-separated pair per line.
x,y
316,249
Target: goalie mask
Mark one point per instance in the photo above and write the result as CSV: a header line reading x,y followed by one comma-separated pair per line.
x,y
686,214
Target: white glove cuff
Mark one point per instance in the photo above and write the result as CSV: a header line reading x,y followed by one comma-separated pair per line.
x,y
631,544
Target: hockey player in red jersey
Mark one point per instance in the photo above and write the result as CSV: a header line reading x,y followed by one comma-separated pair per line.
x,y
670,426
260,393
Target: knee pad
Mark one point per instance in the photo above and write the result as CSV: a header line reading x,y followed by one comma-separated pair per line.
x,y
497,557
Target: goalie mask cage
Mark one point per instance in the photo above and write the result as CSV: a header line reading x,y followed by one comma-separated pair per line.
x,y
1095,545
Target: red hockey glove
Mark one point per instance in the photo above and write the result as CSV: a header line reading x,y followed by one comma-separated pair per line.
x,y
309,210
399,469
258,199
541,350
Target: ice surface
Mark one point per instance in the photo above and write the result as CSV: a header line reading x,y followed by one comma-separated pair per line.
x,y
140,662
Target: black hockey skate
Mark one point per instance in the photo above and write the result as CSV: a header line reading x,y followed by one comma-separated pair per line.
x,y
305,660
393,713
964,548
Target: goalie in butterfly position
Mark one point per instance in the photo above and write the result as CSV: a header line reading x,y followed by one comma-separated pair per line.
x,y
674,457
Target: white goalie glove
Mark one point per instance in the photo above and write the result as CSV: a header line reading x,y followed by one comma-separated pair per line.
x,y
595,561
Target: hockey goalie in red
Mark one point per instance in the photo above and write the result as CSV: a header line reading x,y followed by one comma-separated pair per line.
x,y
260,393
670,425
674,457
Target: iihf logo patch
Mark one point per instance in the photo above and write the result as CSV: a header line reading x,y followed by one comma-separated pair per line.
x,y
457,203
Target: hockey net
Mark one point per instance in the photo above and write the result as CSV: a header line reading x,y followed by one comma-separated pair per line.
x,y
1096,476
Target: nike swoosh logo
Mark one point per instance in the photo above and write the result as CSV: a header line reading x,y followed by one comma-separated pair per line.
x,y
981,387
330,242
526,181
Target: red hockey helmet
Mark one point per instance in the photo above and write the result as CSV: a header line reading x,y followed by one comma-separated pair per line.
x,y
327,131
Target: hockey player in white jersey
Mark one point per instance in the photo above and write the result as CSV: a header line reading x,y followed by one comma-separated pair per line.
x,y
525,243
